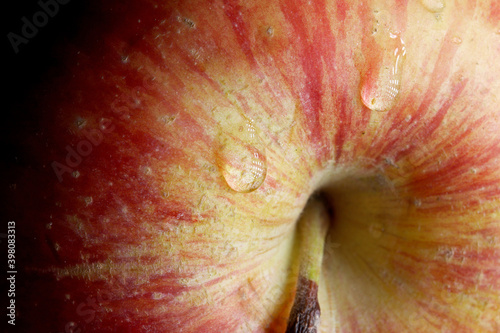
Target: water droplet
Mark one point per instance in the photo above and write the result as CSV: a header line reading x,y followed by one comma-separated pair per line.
x,y
456,40
241,157
376,230
433,6
382,85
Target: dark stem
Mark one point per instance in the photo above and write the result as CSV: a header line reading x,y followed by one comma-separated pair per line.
x,y
305,313
312,229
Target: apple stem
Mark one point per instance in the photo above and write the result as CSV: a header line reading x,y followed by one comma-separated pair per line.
x,y
312,229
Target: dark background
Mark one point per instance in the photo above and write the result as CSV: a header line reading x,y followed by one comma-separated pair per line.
x,y
22,74
25,70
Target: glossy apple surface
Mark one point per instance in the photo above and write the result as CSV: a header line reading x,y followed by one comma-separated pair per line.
x,y
158,184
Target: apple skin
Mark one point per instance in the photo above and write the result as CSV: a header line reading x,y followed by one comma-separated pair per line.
x,y
126,223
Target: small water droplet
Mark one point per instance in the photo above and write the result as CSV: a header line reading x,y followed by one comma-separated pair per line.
x,y
241,157
381,86
456,40
433,6
376,230
75,174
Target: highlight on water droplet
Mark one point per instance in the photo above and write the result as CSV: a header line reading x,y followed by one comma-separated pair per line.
x,y
241,156
382,84
433,6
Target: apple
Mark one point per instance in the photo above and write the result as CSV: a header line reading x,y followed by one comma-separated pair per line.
x,y
261,166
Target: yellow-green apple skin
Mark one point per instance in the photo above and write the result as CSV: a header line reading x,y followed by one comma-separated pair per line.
x,y
159,184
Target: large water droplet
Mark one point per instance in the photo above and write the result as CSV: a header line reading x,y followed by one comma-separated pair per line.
x,y
434,6
241,157
381,87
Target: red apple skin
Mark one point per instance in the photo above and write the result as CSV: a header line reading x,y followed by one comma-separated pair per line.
x,y
141,233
